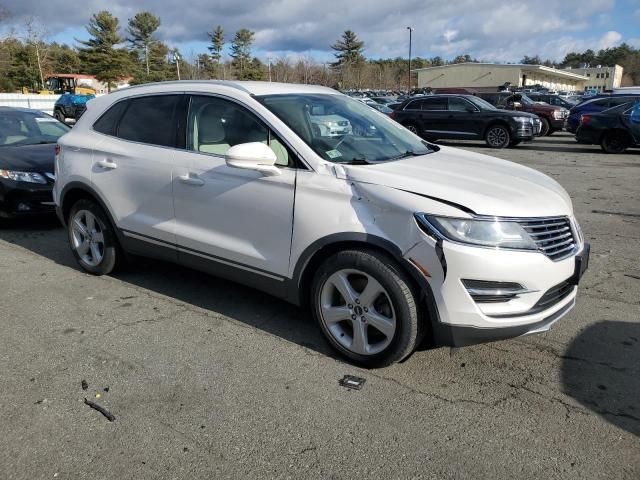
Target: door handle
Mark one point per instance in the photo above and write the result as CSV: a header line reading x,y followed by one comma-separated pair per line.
x,y
191,179
107,163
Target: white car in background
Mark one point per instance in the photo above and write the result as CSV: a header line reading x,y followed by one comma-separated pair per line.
x,y
387,238
328,125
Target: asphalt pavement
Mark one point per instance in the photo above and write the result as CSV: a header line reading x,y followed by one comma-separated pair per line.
x,y
209,379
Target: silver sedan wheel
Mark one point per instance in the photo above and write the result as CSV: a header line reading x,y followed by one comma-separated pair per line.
x,y
357,311
87,237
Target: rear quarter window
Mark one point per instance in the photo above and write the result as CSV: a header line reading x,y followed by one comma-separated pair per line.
x,y
108,122
150,120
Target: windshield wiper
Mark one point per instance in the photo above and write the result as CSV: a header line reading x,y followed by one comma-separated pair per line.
x,y
406,154
356,161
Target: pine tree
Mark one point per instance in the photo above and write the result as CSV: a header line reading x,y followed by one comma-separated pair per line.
x,y
241,50
99,54
217,43
349,49
141,29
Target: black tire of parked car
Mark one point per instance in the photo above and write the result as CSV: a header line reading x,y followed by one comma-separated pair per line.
x,y
550,132
59,116
546,127
113,255
412,127
614,142
410,326
497,136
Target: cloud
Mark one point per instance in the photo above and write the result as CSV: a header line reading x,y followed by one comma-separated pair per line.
x,y
500,30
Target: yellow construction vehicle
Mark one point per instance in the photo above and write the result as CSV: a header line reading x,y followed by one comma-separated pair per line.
x,y
73,83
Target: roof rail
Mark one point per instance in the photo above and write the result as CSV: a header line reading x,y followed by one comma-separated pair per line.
x,y
225,83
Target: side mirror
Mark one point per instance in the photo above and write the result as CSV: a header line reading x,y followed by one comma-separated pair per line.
x,y
253,156
635,114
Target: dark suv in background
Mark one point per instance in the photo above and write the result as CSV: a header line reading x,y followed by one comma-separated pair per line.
x,y
551,116
615,129
465,117
595,105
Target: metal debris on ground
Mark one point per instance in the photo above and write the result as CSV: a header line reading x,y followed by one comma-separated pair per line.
x,y
354,383
107,414
84,384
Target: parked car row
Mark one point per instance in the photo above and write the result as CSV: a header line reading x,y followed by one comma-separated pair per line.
x,y
466,117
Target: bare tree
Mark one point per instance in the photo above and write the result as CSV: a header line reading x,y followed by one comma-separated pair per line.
x,y
35,35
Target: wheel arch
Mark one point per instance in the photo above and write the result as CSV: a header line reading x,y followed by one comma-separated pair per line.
x,y
74,191
493,123
321,249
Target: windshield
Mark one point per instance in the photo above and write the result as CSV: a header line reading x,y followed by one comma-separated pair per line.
x,y
342,130
525,100
29,128
481,103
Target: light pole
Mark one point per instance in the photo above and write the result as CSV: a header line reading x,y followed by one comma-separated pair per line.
x,y
410,31
176,57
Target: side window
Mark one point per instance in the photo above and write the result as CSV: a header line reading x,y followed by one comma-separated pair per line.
x,y
457,104
415,105
614,102
435,103
108,122
214,125
602,103
150,120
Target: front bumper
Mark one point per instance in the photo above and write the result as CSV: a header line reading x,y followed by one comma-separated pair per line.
x,y
557,124
551,290
21,199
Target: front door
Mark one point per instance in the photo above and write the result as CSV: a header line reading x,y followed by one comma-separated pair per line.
x,y
233,217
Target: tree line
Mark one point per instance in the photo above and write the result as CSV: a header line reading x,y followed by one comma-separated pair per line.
x,y
134,51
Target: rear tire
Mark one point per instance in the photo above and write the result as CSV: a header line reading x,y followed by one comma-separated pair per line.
x,y
497,136
92,238
366,307
614,142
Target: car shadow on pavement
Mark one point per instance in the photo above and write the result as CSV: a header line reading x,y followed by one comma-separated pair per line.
x,y
46,237
601,370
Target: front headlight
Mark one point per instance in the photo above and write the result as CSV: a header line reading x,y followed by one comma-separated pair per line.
x,y
485,233
524,119
29,177
558,114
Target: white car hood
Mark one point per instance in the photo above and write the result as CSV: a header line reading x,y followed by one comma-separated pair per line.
x,y
482,184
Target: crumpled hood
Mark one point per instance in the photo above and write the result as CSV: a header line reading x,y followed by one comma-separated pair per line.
x,y
482,184
28,158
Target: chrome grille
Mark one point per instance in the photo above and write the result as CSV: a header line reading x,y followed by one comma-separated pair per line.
x,y
553,236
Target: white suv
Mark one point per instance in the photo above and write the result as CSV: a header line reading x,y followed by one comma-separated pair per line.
x,y
389,239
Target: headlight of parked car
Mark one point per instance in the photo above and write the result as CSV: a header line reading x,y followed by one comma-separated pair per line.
x,y
524,119
485,233
559,114
29,177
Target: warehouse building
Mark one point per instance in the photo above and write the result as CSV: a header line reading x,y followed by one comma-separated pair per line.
x,y
600,78
490,76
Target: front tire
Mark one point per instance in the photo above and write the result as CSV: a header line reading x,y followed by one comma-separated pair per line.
x,y
412,127
614,142
497,136
92,238
366,307
544,131
59,116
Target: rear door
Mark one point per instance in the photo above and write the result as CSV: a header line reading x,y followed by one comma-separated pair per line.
x,y
463,118
433,116
133,163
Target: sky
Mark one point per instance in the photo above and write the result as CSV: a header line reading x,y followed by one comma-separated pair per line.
x,y
489,30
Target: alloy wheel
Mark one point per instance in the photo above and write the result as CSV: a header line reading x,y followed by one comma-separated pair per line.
x,y
87,237
497,137
357,312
